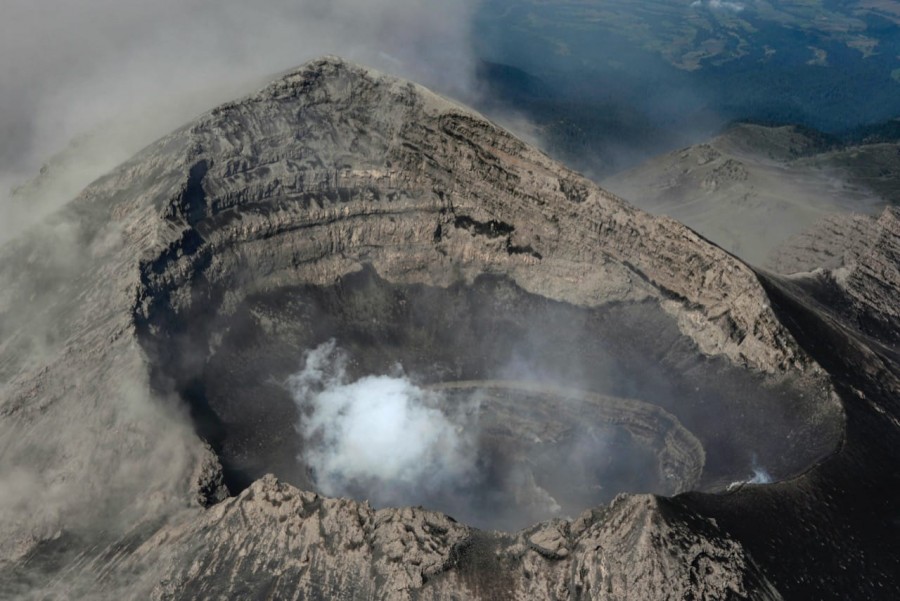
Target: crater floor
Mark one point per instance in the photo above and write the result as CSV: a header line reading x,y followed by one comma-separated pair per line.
x,y
672,418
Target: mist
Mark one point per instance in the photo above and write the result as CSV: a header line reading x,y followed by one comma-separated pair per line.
x,y
90,83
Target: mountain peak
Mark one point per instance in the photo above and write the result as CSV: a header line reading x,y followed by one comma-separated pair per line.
x,y
341,77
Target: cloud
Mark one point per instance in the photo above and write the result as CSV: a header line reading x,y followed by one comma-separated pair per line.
x,y
719,5
760,474
119,74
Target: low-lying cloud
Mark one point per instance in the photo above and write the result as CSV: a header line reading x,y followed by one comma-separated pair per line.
x,y
719,5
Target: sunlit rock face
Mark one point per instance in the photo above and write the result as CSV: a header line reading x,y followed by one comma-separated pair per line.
x,y
344,248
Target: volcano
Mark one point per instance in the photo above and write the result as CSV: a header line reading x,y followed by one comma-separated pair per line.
x,y
152,447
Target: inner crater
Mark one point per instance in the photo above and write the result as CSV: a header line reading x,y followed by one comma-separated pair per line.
x,y
495,405
551,451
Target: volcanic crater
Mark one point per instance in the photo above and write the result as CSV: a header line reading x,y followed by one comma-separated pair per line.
x,y
587,402
429,243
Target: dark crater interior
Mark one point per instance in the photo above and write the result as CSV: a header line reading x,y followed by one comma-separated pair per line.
x,y
550,376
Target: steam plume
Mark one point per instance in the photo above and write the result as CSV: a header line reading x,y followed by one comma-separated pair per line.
x,y
381,437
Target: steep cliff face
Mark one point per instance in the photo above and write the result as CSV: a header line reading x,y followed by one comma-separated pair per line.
x,y
158,308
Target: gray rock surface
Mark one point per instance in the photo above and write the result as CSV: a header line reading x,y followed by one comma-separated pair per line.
x,y
338,147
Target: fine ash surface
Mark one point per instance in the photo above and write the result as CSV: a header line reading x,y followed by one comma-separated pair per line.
x,y
110,491
754,187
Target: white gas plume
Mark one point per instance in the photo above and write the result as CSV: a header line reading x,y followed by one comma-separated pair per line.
x,y
383,437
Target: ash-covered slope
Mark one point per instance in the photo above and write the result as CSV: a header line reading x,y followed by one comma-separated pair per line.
x,y
753,187
164,308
